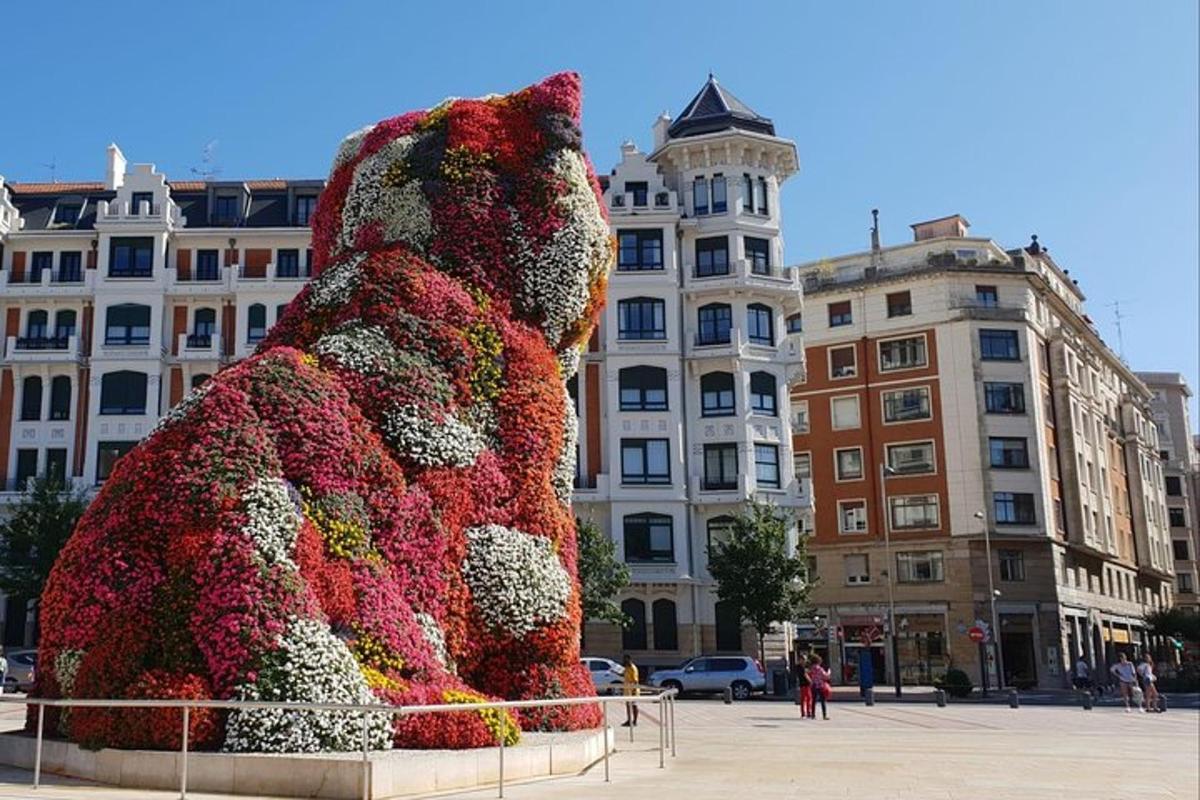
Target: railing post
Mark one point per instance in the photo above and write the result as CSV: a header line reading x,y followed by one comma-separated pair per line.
x,y
37,758
366,762
662,733
604,706
674,732
503,732
183,755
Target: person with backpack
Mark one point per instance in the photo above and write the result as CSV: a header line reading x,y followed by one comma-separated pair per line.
x,y
804,695
821,690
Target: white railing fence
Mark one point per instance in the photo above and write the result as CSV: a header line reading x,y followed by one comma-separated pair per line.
x,y
663,698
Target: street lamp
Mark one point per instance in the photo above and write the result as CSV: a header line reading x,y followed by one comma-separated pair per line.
x,y
993,593
884,472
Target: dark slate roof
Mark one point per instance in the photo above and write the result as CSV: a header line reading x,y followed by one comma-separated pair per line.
x,y
714,109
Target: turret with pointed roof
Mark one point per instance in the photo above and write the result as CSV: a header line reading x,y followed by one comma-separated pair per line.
x,y
714,108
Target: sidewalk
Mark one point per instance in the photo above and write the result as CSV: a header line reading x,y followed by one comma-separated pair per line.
x,y
1038,697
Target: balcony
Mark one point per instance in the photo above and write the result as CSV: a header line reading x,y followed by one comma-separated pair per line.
x,y
591,489
41,349
270,278
198,347
114,212
699,346
220,282
625,202
741,275
51,283
988,309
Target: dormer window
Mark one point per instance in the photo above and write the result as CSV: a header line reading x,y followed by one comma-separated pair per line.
x,y
640,191
67,213
226,209
306,204
136,200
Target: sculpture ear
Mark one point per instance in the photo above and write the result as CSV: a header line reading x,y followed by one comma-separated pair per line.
x,y
559,94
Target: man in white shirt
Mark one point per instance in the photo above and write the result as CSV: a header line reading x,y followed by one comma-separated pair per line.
x,y
1126,678
1083,674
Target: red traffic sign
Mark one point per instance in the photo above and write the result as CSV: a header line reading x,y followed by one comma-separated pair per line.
x,y
976,633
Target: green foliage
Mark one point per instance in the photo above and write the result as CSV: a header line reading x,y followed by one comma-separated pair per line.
x,y
602,575
1176,622
37,527
956,683
755,571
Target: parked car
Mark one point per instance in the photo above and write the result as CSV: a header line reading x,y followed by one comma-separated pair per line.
x,y
21,667
607,675
710,674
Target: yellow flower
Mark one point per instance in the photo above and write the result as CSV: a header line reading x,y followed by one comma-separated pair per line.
x,y
377,680
486,369
491,716
372,653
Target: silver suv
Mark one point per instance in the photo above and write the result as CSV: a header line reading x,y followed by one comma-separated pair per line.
x,y
711,674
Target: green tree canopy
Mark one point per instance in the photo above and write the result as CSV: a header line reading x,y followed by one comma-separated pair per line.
x,y
1176,622
602,575
37,527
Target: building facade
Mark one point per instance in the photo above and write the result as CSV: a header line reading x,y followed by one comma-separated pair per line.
x,y
971,439
121,295
682,395
1181,475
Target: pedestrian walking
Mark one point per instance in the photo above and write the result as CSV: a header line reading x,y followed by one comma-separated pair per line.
x,y
1126,678
1083,674
1148,679
631,690
3,672
821,690
804,695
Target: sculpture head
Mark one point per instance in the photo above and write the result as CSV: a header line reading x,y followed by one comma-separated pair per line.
x,y
495,191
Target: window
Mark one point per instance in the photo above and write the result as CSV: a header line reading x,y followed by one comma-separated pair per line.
x,y
64,324
649,538
31,399
700,195
840,314
56,465
720,466
763,393
287,263
712,256
848,463
1008,453
998,345
899,304
986,297
911,458
716,324
131,257
137,198
919,567
280,310
666,632
639,250
766,465
226,208
857,568
38,263
60,398
843,412
67,213
26,467
641,318
127,324
852,516
1013,508
1176,516
762,196
107,455
761,322
308,261
907,353
306,204
915,512
205,323
1004,398
645,461
800,416
1012,565
1179,548
256,322
70,267
719,204
802,464
207,268
843,362
640,191
716,395
633,635
795,324
198,379
729,631
1173,486
643,389
36,324
758,251
747,193
1184,582
906,405
123,392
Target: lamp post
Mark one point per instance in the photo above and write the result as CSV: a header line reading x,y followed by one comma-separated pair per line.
x,y
992,595
884,472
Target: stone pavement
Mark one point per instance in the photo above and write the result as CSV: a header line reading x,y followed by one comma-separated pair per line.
x,y
761,750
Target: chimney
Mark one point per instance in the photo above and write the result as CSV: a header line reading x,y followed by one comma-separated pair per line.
x,y
875,247
114,173
954,226
660,129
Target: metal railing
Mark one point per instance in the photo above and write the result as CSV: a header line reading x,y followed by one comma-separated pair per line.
x,y
663,698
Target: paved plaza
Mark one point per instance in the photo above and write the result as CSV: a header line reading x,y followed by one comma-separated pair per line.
x,y
912,751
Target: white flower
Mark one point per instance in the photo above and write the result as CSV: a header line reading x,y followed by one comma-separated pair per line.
x,y
336,284
568,361
515,578
66,668
432,443
350,146
311,665
274,521
436,639
376,195
184,406
362,348
563,478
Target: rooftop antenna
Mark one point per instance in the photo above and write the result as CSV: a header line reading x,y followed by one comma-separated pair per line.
x,y
1118,316
875,246
53,167
208,168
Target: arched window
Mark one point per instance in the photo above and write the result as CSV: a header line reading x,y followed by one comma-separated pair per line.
x,y
35,326
761,324
763,394
280,310
666,631
31,398
205,322
649,537
123,392
127,323
643,389
716,323
60,397
720,529
729,627
633,635
64,323
199,378
256,322
716,394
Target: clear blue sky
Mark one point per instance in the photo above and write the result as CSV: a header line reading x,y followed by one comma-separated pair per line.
x,y
1073,120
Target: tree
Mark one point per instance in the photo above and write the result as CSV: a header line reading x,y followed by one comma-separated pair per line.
x,y
1176,622
37,527
601,574
756,573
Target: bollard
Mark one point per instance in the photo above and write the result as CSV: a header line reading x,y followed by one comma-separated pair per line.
x,y
728,695
869,696
940,696
1013,702
1087,700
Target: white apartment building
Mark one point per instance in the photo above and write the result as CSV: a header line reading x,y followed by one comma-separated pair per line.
x,y
682,394
120,295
